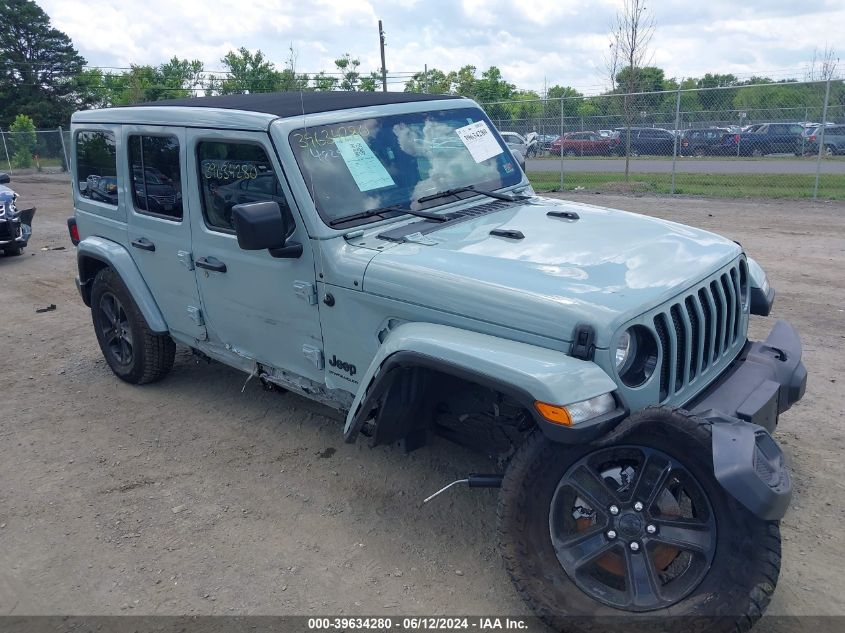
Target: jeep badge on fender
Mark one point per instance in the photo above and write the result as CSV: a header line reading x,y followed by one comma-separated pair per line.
x,y
347,367
630,473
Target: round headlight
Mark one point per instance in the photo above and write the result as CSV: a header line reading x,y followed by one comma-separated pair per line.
x,y
623,349
636,356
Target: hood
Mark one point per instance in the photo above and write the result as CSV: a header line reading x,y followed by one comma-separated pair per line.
x,y
603,269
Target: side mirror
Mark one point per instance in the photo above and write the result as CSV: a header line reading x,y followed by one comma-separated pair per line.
x,y
519,158
262,225
4,178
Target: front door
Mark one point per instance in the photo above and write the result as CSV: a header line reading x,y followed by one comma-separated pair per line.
x,y
255,306
158,222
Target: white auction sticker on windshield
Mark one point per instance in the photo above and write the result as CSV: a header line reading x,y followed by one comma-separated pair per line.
x,y
364,166
480,141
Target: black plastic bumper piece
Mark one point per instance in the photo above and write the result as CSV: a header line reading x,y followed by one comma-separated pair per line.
x,y
750,466
765,380
744,404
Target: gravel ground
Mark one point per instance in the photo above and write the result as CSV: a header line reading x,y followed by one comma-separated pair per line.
x,y
202,495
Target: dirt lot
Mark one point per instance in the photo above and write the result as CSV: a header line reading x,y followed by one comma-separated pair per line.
x,y
193,496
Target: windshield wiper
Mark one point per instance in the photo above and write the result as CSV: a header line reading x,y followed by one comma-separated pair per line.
x,y
483,192
436,217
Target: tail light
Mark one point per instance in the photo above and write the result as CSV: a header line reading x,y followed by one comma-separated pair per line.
x,y
73,230
812,138
736,139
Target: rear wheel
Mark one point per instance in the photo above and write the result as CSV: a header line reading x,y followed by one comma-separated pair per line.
x,y
829,150
135,353
757,152
635,524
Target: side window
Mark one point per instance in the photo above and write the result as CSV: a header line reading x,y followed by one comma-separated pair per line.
x,y
156,177
96,165
235,173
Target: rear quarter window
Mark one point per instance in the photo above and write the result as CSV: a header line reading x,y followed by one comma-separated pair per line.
x,y
96,165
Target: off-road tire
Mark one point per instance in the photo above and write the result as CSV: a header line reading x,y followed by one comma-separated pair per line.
x,y
733,594
152,354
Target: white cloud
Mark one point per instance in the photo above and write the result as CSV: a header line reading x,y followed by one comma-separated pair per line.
x,y
532,41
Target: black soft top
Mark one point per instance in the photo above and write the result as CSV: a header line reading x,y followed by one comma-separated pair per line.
x,y
288,104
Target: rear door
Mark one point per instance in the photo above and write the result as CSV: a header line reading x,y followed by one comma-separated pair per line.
x,y
256,306
158,222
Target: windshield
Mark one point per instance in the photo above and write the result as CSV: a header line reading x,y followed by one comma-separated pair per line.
x,y
394,160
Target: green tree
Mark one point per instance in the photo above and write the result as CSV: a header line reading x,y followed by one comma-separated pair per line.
x,y
324,82
350,77
23,140
435,82
371,82
572,100
38,66
247,72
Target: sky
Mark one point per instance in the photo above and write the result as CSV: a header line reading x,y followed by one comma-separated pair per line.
x,y
534,42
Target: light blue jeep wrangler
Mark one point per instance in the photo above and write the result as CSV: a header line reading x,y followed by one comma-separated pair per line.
x,y
384,254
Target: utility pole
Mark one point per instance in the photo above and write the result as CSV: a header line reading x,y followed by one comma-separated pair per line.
x,y
383,67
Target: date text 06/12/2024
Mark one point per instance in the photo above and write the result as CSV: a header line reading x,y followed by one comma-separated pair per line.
x,y
479,623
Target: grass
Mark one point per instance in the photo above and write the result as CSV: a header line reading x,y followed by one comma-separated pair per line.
x,y
831,186
772,157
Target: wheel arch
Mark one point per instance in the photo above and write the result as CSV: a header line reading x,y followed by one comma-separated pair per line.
x,y
414,353
96,253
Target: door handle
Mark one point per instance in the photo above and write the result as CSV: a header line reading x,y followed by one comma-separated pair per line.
x,y
144,244
210,263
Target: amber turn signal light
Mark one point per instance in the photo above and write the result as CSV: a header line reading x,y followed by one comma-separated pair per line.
x,y
553,413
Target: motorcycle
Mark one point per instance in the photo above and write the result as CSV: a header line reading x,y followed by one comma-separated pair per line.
x,y
15,224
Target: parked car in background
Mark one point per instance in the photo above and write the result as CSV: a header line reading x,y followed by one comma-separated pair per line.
x,y
546,141
767,138
515,141
647,140
702,142
584,144
834,140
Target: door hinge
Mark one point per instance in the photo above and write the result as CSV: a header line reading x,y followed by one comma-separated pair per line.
x,y
307,291
187,259
196,315
314,354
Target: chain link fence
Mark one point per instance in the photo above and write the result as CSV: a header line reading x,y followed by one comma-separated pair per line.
x,y
38,151
782,140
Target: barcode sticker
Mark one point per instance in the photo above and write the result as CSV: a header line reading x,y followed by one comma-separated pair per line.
x,y
365,167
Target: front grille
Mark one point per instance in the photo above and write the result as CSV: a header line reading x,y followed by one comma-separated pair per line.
x,y
697,330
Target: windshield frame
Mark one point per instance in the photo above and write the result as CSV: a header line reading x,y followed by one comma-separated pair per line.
x,y
283,129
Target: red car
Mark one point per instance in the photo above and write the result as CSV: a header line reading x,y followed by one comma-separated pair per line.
x,y
585,144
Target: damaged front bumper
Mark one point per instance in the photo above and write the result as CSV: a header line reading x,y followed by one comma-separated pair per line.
x,y
765,380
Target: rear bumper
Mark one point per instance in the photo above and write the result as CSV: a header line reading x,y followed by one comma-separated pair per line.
x,y
744,404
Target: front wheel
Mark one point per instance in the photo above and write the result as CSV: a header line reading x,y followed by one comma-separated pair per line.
x,y
634,525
